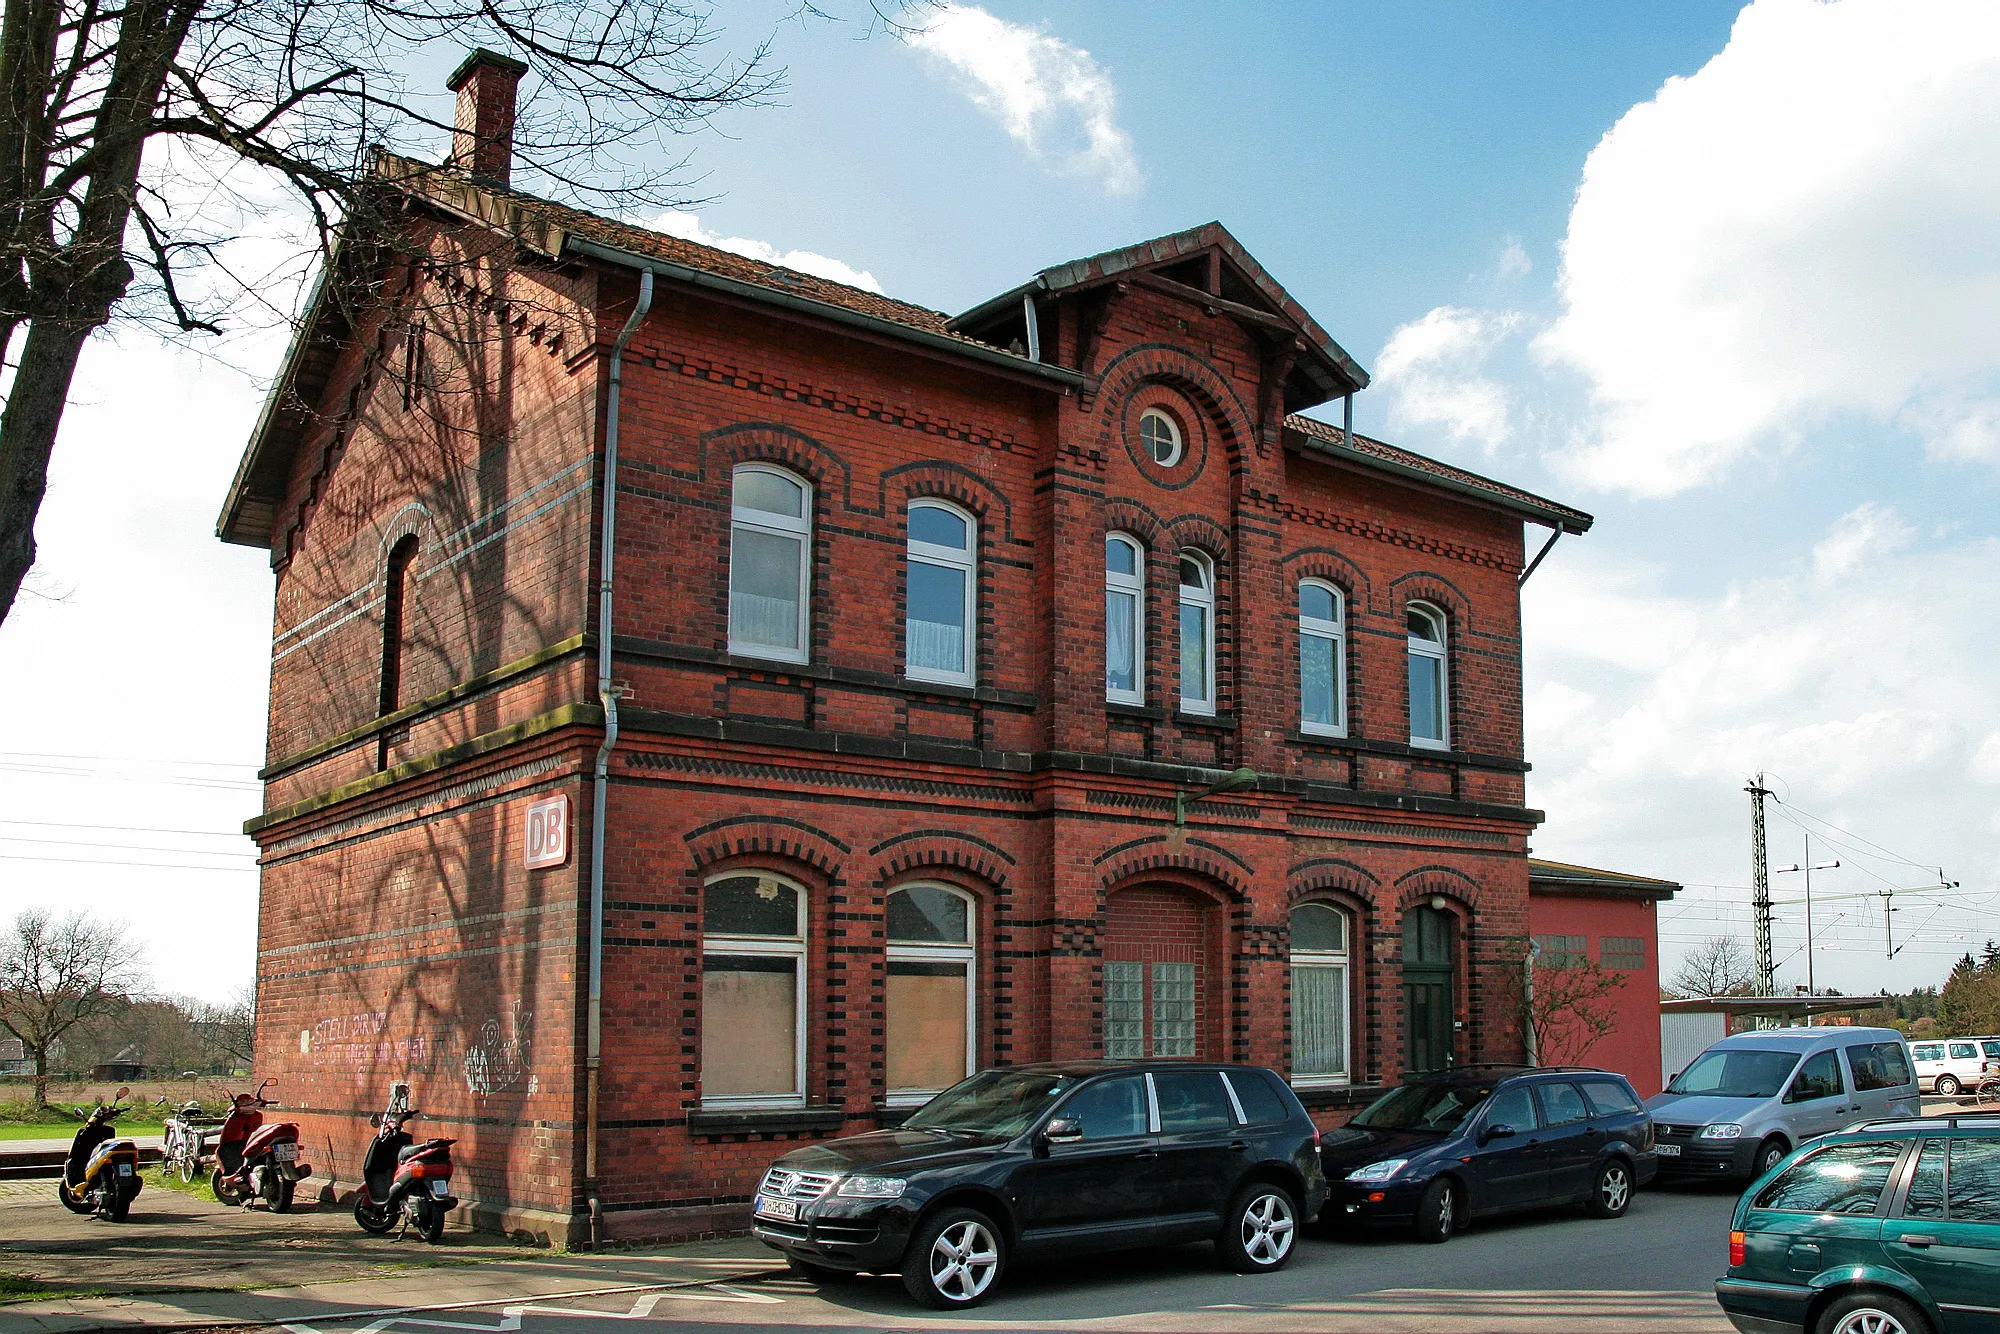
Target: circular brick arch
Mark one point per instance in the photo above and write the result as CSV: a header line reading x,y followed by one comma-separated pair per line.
x,y
1418,886
1175,367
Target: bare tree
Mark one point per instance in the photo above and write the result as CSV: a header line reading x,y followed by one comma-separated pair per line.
x,y
57,974
109,110
1572,1008
1719,966
228,1031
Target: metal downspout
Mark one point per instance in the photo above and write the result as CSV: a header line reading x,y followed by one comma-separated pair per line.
x,y
601,774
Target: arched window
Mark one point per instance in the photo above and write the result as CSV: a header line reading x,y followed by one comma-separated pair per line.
x,y
1197,633
1430,717
937,635
1320,994
1124,619
753,990
770,548
1160,434
1322,660
931,1040
395,593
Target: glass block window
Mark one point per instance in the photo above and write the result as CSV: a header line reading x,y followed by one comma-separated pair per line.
x,y
1622,951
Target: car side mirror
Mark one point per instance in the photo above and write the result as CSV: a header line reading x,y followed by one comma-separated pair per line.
x,y
1062,1130
1492,1133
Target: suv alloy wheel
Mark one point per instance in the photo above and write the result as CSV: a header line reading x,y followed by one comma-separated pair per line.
x,y
1262,1229
954,1260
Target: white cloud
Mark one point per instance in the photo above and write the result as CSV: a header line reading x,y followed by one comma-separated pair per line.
x,y
1800,231
1052,98
1514,261
1851,673
1867,530
688,227
1433,368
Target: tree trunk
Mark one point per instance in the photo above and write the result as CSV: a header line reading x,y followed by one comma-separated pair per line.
x,y
41,1078
27,435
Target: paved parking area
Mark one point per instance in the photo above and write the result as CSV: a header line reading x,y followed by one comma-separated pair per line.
x,y
1650,1271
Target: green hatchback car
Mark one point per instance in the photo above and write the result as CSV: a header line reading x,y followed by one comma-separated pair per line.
x,y
1892,1228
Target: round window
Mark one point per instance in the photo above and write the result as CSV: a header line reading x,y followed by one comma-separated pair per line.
x,y
1161,436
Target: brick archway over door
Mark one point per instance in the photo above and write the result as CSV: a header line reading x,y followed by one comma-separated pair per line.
x,y
1161,976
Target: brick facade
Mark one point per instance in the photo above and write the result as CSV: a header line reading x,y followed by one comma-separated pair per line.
x,y
403,939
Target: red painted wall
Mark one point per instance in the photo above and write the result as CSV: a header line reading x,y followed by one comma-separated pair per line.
x,y
1633,1048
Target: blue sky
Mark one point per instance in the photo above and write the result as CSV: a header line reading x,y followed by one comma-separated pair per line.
x,y
1721,276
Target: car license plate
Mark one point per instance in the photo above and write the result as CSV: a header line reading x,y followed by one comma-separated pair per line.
x,y
1668,1150
124,1169
286,1153
788,1210
440,1187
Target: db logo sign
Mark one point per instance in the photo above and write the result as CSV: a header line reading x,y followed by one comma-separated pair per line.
x,y
547,839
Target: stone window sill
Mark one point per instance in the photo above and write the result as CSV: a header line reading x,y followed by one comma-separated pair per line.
x,y
736,1120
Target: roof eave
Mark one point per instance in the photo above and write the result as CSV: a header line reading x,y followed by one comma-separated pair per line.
x,y
229,525
1055,376
1549,515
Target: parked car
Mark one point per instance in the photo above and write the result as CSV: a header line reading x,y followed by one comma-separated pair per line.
x,y
1949,1066
1892,1229
1052,1159
1444,1149
1752,1098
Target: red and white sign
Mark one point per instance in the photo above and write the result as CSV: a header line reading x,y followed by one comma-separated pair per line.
x,y
546,842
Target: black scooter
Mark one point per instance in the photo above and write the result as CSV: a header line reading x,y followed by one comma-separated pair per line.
x,y
101,1175
402,1180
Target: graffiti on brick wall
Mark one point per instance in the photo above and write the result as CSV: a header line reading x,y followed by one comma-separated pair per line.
x,y
363,1040
498,1061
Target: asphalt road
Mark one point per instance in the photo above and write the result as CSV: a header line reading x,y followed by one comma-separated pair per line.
x,y
1647,1273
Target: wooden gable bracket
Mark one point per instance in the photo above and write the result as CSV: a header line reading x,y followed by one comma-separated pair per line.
x,y
1093,313
1278,362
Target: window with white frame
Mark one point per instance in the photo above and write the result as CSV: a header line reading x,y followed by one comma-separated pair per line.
x,y
1429,709
1124,619
937,637
753,989
1322,660
1161,436
1320,994
1197,633
770,550
931,981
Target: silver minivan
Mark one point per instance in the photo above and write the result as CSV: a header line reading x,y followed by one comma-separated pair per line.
x,y
1752,1098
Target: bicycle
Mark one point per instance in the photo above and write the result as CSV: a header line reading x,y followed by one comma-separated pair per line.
x,y
1988,1090
184,1142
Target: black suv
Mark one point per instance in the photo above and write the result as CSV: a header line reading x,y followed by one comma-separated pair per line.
x,y
1444,1149
1066,1158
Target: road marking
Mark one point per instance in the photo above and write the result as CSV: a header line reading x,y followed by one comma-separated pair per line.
x,y
649,1296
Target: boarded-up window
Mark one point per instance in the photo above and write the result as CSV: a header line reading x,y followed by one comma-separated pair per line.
x,y
753,972
1156,960
749,1011
929,991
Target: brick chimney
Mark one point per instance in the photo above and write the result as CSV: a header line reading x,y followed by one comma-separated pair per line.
x,y
483,144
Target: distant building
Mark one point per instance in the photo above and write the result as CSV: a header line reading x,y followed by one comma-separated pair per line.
x,y
129,1063
1610,919
14,1060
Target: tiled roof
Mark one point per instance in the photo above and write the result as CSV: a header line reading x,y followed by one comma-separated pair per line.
x,y
544,224
1328,438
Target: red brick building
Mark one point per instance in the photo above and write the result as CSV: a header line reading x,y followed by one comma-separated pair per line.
x,y
919,628
1580,914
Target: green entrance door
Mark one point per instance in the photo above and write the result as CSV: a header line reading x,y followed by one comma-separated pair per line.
x,y
1429,989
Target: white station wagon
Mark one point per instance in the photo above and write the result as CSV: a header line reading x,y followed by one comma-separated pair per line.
x,y
1948,1065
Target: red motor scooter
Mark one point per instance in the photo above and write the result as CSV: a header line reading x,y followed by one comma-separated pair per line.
x,y
257,1162
402,1180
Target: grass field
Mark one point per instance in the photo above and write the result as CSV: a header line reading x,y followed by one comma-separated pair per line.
x,y
128,1125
